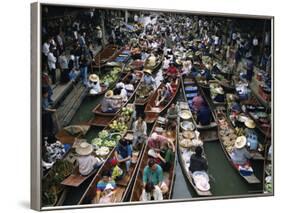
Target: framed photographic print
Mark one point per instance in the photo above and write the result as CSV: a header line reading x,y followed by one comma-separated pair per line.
x,y
137,106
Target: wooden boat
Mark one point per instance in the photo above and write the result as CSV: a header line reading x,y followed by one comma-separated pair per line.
x,y
123,185
141,99
157,65
102,118
184,149
227,145
190,90
168,176
151,110
77,184
105,55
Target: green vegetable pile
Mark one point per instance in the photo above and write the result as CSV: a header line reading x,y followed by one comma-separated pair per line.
x,y
110,78
126,113
143,91
106,139
51,186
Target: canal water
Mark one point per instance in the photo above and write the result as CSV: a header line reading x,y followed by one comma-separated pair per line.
x,y
224,179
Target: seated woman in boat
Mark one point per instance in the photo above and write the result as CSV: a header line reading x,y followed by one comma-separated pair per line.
x,y
172,115
204,115
251,135
155,140
129,87
110,104
166,155
197,102
240,155
197,162
172,70
164,94
105,183
123,153
151,192
94,84
121,91
154,173
86,162
140,131
148,79
174,84
219,95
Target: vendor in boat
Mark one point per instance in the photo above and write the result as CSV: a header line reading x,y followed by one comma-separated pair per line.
x,y
197,161
155,140
121,91
136,52
129,87
109,103
148,79
166,63
94,84
151,192
172,115
166,156
172,70
197,102
154,173
219,95
102,185
251,135
204,115
116,172
240,155
86,162
123,153
164,93
174,84
140,131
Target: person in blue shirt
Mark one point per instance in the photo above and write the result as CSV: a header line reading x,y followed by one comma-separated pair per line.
x,y
123,153
204,115
153,173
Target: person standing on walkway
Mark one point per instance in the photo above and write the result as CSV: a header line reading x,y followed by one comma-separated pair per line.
x,y
52,65
83,64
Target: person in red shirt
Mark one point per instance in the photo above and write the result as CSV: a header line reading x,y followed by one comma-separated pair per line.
x,y
172,70
197,102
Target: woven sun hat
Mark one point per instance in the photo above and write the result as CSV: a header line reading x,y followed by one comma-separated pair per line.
x,y
240,142
250,123
219,90
109,93
94,78
178,61
84,149
98,27
148,71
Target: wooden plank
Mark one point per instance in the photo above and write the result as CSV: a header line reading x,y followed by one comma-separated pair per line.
x,y
75,180
251,179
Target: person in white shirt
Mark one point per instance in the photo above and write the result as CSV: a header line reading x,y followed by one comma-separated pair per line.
x,y
123,92
63,62
140,131
151,192
86,162
52,66
94,84
166,63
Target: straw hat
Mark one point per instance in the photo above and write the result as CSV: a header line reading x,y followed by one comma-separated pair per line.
x,y
109,93
250,123
98,27
147,71
240,142
178,61
84,149
219,90
94,78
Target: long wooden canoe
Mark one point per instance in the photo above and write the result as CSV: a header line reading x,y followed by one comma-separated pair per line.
x,y
182,150
123,185
168,176
152,111
101,118
105,55
190,90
